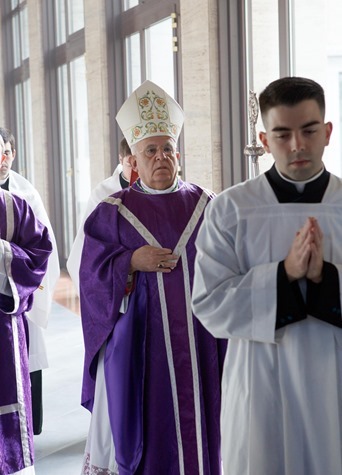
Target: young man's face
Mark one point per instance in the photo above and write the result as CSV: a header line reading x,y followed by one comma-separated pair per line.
x,y
126,166
296,137
6,164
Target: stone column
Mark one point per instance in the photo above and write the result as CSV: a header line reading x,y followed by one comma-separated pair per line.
x,y
200,63
97,85
38,105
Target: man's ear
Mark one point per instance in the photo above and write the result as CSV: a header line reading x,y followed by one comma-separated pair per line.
x,y
328,130
263,140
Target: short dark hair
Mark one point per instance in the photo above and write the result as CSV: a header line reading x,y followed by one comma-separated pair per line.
x,y
7,137
289,91
124,148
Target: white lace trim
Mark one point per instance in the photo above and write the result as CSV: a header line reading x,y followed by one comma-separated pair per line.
x,y
25,437
89,469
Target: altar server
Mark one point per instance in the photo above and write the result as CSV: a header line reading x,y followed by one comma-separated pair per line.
x,y
268,277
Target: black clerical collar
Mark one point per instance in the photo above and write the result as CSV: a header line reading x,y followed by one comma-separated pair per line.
x,y
286,192
123,182
5,185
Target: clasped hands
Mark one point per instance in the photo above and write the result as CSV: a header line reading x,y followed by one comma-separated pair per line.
x,y
153,259
305,258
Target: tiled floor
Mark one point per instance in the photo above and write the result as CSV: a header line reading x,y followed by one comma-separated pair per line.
x,y
65,294
59,448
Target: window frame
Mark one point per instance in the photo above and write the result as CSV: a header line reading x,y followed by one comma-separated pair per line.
x,y
56,56
120,25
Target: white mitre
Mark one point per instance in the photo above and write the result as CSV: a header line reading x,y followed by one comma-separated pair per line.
x,y
148,112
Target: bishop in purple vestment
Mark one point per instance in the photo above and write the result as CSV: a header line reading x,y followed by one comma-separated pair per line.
x,y
24,250
162,368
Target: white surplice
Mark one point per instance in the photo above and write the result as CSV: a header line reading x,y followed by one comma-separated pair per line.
x,y
39,314
282,390
102,190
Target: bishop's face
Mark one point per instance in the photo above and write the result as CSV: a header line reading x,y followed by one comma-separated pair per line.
x,y
155,159
296,137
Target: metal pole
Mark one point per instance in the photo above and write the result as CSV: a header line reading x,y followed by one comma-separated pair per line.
x,y
253,151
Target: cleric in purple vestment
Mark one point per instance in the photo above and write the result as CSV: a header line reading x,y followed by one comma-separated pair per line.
x,y
24,250
152,372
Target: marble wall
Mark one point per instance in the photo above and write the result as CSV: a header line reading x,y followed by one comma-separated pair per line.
x,y
200,74
38,106
97,87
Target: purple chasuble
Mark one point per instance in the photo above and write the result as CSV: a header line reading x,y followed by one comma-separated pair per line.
x,y
162,368
25,247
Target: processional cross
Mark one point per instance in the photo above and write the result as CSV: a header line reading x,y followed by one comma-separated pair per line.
x,y
253,151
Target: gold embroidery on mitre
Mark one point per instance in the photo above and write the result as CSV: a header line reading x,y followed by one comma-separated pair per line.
x,y
155,118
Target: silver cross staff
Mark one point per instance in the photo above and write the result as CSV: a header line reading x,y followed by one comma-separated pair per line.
x,y
254,151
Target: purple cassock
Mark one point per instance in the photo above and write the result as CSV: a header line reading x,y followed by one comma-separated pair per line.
x,y
24,250
162,368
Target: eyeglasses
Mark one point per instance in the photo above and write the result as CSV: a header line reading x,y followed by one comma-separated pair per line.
x,y
151,150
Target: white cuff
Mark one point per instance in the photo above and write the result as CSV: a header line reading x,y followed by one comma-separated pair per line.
x,y
5,287
124,304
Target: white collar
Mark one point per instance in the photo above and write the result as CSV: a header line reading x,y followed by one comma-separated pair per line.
x,y
300,185
152,191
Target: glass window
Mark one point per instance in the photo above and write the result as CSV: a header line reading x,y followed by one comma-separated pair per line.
x,y
24,33
60,22
159,55
74,146
69,118
265,63
27,149
133,62
318,55
81,156
65,156
314,52
265,59
21,89
130,4
24,142
340,103
20,36
20,130
149,33
76,15
16,41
